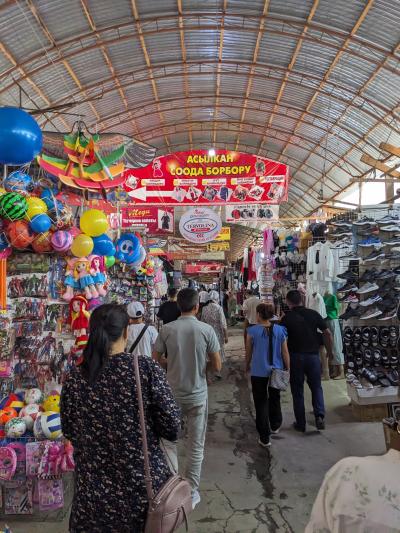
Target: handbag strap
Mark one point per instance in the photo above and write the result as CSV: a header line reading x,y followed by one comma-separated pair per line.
x,y
271,346
138,339
147,474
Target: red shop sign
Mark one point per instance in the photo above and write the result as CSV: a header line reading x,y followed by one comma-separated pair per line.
x,y
197,178
156,219
202,268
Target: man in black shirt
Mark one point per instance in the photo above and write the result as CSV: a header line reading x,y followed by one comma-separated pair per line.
x,y
169,311
303,327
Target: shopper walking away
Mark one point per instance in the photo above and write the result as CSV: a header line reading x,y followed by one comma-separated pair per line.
x,y
225,299
359,494
213,315
203,297
260,362
250,310
190,343
100,416
141,337
232,306
169,311
302,326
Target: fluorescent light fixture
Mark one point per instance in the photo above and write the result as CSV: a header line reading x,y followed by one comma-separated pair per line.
x,y
211,152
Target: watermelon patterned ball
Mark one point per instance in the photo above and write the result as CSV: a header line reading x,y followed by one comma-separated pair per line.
x,y
15,428
33,396
13,206
29,414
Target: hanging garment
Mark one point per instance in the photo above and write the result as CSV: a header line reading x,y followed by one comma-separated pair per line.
x,y
316,302
320,262
337,348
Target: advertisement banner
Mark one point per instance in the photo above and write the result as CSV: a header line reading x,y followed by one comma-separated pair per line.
x,y
212,256
202,268
218,247
196,177
258,213
224,234
200,225
157,220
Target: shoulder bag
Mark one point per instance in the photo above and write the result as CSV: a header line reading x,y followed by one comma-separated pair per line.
x,y
138,338
169,508
279,378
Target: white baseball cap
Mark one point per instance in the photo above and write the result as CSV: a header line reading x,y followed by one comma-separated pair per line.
x,y
135,310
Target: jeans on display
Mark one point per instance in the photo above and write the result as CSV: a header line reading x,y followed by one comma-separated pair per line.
x,y
306,365
195,417
267,403
337,348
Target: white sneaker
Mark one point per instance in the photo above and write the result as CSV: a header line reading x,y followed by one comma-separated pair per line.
x,y
275,431
196,499
264,444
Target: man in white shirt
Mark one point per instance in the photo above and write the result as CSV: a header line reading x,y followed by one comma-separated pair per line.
x,y
148,338
250,311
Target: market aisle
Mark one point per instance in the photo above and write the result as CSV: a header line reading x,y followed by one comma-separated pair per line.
x,y
247,489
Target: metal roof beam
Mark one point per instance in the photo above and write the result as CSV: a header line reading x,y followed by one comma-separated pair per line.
x,y
147,59
218,77
198,27
106,57
253,66
185,76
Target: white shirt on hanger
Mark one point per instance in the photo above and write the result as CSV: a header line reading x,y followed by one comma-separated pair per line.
x,y
316,302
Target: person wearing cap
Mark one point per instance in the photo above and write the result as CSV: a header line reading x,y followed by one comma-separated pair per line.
x,y
136,325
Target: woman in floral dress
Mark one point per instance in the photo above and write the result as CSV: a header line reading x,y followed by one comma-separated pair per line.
x,y
100,416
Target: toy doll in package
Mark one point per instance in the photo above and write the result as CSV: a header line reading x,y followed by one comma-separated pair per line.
x,y
51,494
18,500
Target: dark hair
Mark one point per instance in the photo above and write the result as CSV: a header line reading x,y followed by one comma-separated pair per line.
x,y
172,293
250,292
266,311
107,324
294,297
187,300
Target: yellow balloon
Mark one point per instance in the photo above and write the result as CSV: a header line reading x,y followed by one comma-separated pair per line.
x,y
36,206
82,245
2,191
94,222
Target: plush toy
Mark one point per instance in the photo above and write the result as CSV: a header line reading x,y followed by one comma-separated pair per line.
x,y
83,279
52,403
98,273
79,315
69,280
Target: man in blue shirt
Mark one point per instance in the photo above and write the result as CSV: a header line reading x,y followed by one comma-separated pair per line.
x,y
259,362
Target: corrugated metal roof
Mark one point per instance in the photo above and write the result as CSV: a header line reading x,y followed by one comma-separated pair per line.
x,y
313,83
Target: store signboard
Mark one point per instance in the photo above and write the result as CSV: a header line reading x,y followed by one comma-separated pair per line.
x,y
218,247
197,178
224,234
200,225
258,213
202,268
212,256
157,220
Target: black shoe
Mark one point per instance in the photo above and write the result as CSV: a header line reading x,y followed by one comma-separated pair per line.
x,y
369,275
320,423
298,428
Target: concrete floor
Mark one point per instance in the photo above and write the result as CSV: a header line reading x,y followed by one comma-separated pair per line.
x,y
248,489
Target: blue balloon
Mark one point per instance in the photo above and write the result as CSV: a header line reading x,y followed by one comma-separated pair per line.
x,y
3,245
18,181
20,136
128,248
103,245
40,223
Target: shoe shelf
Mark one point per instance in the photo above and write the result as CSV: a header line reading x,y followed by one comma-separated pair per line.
x,y
376,395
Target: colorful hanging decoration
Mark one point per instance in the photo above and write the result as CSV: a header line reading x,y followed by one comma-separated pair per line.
x,y
85,167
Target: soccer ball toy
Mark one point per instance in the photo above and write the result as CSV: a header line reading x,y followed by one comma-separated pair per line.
x,y
15,428
47,426
33,396
29,414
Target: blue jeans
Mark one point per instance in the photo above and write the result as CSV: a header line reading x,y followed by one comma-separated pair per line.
x,y
306,365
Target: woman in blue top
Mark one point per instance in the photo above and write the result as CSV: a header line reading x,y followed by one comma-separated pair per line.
x,y
267,401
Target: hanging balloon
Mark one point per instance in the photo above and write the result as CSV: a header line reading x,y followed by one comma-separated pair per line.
x,y
18,181
93,222
19,234
141,258
36,206
40,223
13,206
103,245
20,136
127,248
42,243
61,241
3,242
2,191
82,245
109,261
48,197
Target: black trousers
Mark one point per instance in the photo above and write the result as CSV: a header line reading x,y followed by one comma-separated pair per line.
x,y
267,402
